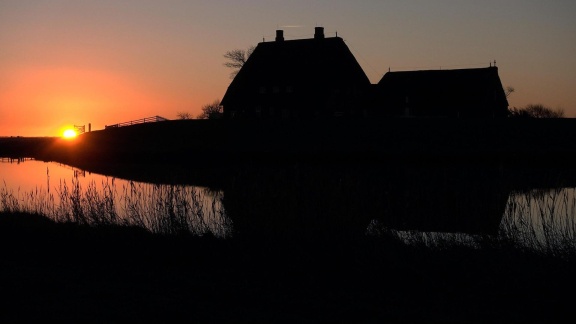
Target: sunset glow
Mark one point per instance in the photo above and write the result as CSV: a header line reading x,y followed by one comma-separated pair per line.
x,y
106,62
56,96
69,134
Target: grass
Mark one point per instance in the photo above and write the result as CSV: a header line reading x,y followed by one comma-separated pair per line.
x,y
543,221
160,209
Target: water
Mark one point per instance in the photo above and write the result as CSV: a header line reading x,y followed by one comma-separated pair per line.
x,y
424,204
65,193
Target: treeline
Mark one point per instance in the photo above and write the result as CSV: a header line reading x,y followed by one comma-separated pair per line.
x,y
535,111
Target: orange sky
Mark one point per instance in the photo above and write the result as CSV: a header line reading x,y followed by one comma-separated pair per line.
x,y
66,62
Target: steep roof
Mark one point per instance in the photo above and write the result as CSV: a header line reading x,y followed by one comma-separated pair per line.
x,y
308,65
447,88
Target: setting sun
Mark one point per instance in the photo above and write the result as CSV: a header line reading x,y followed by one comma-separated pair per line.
x,y
69,133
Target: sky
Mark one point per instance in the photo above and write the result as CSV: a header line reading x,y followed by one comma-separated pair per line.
x,y
102,62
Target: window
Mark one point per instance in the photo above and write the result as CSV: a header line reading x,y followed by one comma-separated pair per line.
x,y
262,90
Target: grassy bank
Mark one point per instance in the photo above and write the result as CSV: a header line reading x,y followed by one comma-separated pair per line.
x,y
18,147
221,142
78,273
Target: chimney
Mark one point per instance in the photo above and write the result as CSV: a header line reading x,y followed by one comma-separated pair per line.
x,y
279,35
318,32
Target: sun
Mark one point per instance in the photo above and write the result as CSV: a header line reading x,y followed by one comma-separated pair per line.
x,y
69,134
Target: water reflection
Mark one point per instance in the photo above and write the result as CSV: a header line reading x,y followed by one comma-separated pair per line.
x,y
542,219
308,201
68,194
297,201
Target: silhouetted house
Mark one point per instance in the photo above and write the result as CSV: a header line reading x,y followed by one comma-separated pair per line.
x,y
298,79
320,78
462,93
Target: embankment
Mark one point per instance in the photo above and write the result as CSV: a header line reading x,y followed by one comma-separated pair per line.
x,y
217,142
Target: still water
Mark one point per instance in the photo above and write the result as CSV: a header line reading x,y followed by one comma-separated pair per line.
x,y
65,193
422,205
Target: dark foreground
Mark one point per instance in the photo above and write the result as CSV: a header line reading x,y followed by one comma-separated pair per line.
x,y
78,274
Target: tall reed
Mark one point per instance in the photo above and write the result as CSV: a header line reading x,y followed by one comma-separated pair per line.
x,y
164,209
175,209
537,220
541,221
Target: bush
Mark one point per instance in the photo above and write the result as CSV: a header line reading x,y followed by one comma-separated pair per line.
x,y
535,111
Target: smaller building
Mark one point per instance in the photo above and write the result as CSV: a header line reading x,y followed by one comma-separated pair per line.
x,y
461,93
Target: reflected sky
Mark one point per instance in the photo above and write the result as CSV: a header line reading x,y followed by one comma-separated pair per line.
x,y
43,185
538,219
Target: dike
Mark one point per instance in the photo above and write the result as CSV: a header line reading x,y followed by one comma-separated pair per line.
x,y
225,142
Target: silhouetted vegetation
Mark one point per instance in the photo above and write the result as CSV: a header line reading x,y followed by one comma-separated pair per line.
x,y
508,91
168,209
536,111
212,111
236,59
184,115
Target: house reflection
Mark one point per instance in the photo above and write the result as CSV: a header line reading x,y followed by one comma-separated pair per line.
x,y
310,202
452,198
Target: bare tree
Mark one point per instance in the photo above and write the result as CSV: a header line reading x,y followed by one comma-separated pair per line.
x,y
536,111
236,59
212,111
184,115
509,91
